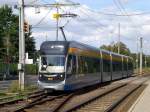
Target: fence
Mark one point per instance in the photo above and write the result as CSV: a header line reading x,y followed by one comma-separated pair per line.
x,y
10,71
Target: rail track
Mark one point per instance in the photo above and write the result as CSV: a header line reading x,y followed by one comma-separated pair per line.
x,y
48,104
8,104
104,102
101,99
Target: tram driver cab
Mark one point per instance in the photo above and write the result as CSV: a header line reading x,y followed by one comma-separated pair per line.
x,y
52,64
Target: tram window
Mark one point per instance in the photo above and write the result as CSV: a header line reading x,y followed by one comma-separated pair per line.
x,y
74,64
114,66
96,65
120,66
130,66
125,66
84,64
80,65
117,66
44,60
88,65
71,64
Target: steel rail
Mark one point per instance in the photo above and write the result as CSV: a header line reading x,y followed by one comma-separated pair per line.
x,y
92,99
37,102
75,107
117,102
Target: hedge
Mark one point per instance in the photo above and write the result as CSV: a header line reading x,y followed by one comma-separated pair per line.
x,y
29,68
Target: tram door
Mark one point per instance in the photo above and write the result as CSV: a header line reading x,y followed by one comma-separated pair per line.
x,y
125,68
106,74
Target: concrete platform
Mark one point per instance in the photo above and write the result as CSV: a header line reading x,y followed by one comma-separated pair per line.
x,y
142,104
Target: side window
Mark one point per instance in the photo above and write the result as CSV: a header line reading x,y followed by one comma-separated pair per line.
x,y
125,66
120,66
96,65
88,65
84,64
74,64
71,64
114,67
80,64
117,66
106,65
130,66
44,60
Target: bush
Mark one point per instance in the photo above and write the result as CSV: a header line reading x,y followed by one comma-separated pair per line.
x,y
31,69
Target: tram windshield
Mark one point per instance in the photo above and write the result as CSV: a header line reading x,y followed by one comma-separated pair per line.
x,y
53,60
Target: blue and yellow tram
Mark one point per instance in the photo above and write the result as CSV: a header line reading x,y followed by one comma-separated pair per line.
x,y
69,65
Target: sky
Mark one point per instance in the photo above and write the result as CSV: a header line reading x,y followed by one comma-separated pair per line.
x,y
96,24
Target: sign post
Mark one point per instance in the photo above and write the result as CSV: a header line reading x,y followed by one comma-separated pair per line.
x,y
21,64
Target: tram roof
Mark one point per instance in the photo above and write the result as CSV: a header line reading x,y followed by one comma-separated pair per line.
x,y
79,45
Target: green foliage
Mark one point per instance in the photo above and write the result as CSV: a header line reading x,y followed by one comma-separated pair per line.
x,y
8,30
12,68
30,44
2,94
31,69
114,48
124,50
9,35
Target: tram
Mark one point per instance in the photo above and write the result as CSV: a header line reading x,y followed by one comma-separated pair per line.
x,y
70,65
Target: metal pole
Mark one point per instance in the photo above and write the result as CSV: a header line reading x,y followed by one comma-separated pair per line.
x,y
61,28
21,46
57,25
119,38
137,56
141,52
145,62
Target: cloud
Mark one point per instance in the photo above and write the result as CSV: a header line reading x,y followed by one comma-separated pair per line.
x,y
90,27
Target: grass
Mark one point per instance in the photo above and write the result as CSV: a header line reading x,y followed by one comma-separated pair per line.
x,y
14,90
145,70
2,94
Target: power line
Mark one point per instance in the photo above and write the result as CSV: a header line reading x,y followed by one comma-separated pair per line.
x,y
32,2
67,20
132,14
94,20
118,6
123,10
44,1
42,18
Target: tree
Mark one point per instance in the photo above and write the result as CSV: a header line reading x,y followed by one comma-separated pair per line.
x,y
109,48
9,34
30,44
8,31
114,48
